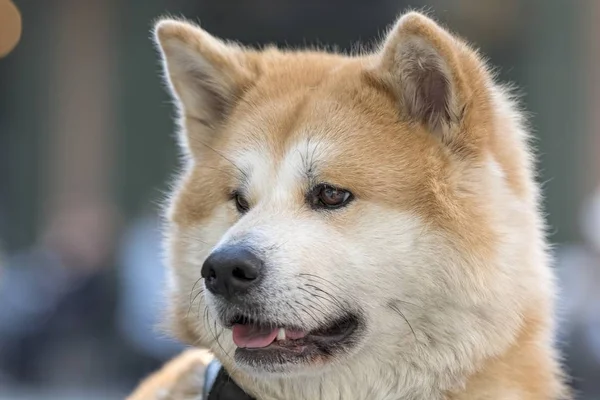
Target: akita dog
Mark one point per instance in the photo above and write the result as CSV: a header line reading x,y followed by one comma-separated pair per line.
x,y
355,226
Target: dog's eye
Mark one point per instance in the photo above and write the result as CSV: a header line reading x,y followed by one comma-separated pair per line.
x,y
241,203
327,196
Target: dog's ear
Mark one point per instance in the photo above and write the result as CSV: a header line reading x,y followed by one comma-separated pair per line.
x,y
422,64
205,75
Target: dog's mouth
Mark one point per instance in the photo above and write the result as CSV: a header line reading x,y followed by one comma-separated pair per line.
x,y
262,344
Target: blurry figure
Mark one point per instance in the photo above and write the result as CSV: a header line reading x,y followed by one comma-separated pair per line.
x,y
142,279
83,235
55,301
67,316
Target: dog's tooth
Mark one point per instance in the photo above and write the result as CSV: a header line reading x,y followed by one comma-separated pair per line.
x,y
281,334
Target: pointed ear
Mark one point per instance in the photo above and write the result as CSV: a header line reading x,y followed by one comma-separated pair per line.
x,y
205,75
421,62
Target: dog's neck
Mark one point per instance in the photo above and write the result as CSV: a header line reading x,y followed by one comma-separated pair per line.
x,y
369,380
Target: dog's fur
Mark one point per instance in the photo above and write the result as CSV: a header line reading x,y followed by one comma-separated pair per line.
x,y
442,251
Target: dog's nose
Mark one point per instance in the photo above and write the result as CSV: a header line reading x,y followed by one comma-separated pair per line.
x,y
231,271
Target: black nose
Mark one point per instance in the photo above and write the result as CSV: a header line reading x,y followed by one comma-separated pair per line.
x,y
231,271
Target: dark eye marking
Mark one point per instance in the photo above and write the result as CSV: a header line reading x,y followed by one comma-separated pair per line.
x,y
326,196
241,203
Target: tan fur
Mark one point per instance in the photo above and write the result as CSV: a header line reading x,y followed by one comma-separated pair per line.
x,y
445,218
182,378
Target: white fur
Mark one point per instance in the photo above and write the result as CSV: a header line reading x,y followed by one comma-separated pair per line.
x,y
390,256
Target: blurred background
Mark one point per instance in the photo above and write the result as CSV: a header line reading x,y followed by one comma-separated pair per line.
x,y
86,152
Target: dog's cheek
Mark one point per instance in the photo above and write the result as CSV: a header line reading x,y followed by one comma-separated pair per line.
x,y
366,258
386,249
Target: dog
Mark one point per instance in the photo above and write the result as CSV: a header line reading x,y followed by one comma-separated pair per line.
x,y
351,227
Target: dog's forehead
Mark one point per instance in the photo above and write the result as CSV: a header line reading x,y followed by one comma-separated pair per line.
x,y
287,168
326,136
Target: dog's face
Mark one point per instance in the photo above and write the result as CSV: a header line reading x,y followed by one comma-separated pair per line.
x,y
335,210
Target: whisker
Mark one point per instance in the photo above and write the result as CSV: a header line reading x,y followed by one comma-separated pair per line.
x,y
244,174
327,281
397,310
304,165
305,310
312,157
407,302
332,298
321,297
194,287
277,246
216,333
194,299
292,309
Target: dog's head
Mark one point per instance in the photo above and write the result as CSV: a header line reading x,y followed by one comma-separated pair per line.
x,y
332,208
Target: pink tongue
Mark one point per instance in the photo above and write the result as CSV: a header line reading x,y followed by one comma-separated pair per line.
x,y
252,336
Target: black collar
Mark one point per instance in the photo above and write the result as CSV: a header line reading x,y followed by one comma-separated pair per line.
x,y
221,386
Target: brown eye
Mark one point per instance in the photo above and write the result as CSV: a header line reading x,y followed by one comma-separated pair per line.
x,y
241,203
327,196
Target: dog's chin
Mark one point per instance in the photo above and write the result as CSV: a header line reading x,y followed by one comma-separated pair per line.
x,y
266,347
